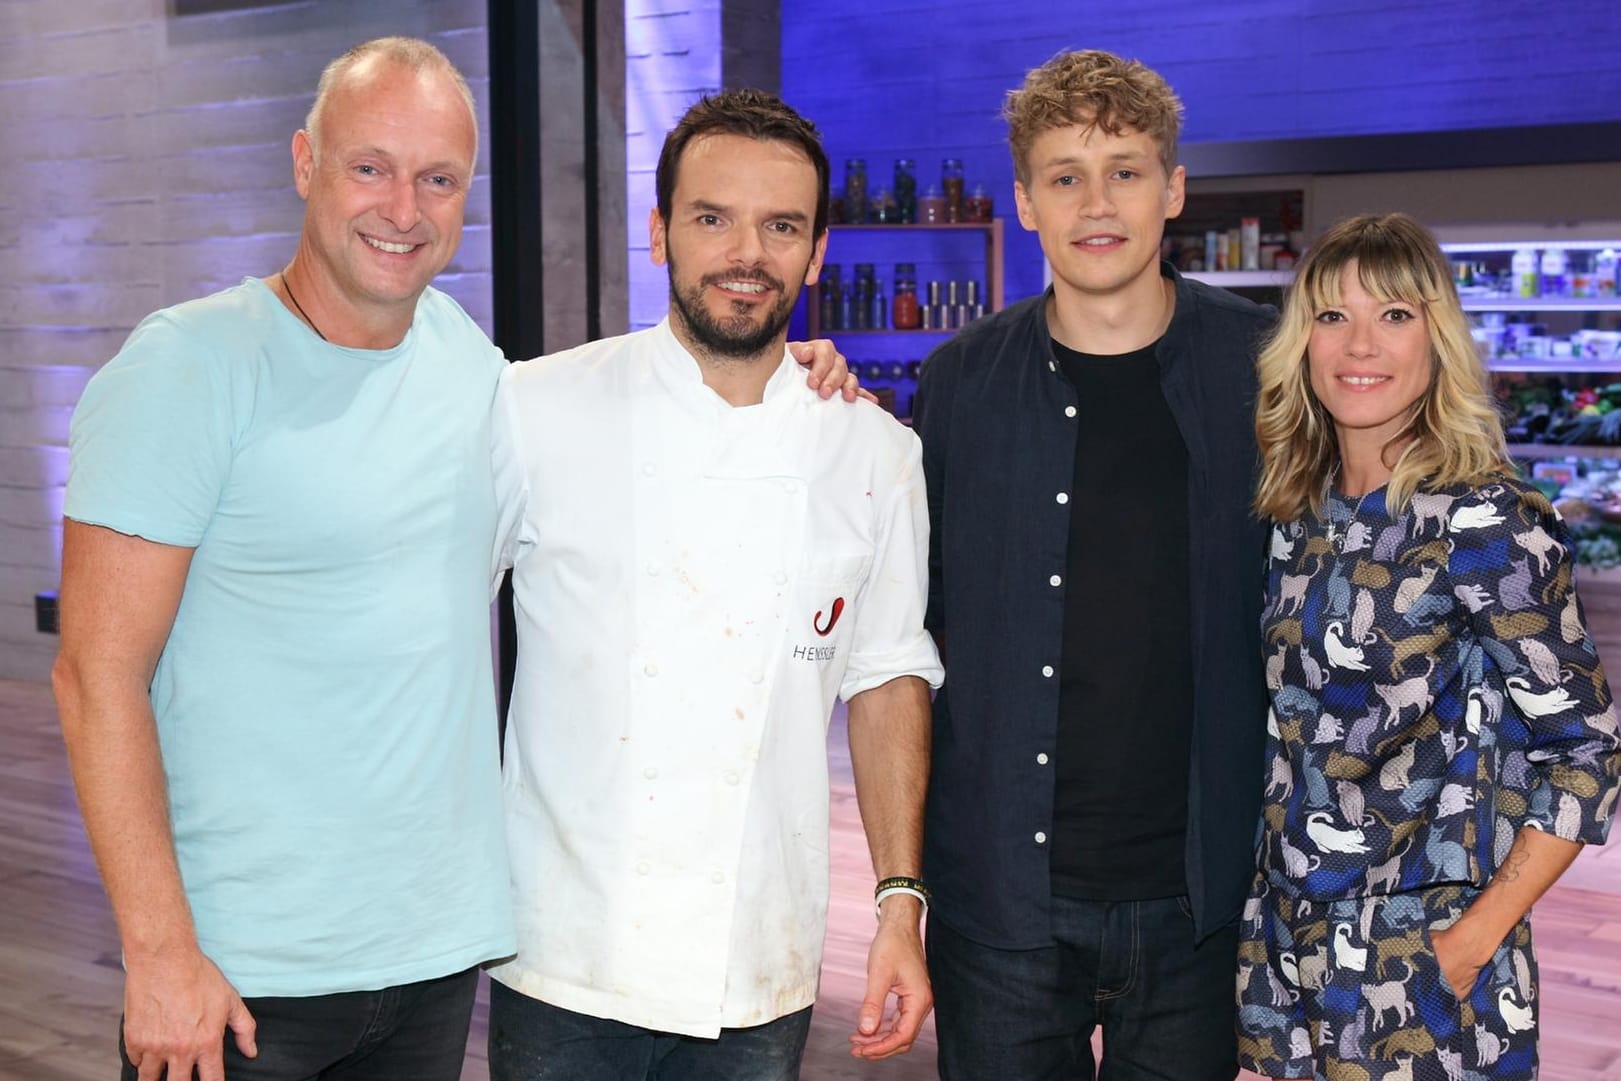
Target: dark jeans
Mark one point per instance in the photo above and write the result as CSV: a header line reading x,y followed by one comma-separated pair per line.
x,y
533,1041
413,1032
1165,1005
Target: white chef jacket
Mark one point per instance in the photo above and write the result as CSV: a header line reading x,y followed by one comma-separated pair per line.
x,y
695,582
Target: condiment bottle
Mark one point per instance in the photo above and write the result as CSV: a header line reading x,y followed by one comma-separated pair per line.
x,y
905,190
931,209
951,181
978,206
855,190
905,306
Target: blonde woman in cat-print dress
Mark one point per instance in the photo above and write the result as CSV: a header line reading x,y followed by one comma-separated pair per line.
x,y
1441,741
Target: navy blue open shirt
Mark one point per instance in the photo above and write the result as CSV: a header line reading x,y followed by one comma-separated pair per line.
x,y
999,454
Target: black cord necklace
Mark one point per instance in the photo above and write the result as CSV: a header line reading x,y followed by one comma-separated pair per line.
x,y
287,285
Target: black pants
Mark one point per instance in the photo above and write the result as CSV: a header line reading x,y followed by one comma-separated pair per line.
x,y
1166,1006
532,1040
413,1032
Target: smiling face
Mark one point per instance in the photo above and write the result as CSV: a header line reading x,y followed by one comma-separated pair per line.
x,y
1099,202
739,244
1369,360
385,190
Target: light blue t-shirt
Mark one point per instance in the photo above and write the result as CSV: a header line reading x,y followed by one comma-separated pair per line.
x,y
325,702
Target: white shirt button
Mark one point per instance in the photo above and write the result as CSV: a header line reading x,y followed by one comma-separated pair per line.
x,y
1041,759
1052,365
644,868
730,776
1069,410
1046,670
650,773
1041,838
1055,580
653,569
650,669
717,878
1062,497
782,578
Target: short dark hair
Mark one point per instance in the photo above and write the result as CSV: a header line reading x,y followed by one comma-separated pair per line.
x,y
752,113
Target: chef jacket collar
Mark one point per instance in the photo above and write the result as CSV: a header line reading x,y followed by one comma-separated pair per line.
x,y
752,441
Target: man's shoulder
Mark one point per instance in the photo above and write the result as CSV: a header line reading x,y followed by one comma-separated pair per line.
x,y
230,315
578,366
196,334
446,316
1224,305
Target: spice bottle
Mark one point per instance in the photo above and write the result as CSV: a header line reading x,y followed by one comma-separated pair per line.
x,y
978,207
905,305
951,181
905,190
931,209
830,296
855,190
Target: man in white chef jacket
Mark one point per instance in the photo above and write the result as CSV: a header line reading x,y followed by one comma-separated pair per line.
x,y
705,555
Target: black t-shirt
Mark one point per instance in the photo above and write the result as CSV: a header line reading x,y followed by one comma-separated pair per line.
x,y
1125,713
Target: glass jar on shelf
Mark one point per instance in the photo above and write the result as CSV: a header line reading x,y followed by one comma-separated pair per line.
x,y
978,206
951,181
906,314
931,208
905,190
855,190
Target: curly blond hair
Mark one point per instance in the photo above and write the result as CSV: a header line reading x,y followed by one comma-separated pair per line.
x,y
1453,434
1094,89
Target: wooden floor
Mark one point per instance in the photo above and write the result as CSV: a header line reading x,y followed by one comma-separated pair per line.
x,y
60,979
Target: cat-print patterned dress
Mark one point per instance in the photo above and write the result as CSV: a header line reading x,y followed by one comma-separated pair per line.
x,y
1434,689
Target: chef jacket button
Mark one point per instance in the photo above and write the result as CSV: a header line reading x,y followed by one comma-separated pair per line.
x,y
644,868
1041,759
757,678
648,469
650,669
1046,670
1055,580
730,776
717,878
1041,838
650,773
1069,410
653,569
782,578
1062,497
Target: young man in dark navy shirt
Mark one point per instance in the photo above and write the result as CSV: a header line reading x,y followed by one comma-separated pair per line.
x,y
1096,591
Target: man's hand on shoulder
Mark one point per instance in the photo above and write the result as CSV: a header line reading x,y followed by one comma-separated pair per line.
x,y
177,1006
895,966
829,372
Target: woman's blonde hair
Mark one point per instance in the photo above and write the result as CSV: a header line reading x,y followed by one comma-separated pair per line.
x,y
1453,434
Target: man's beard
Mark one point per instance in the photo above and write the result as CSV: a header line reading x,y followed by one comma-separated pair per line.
x,y
737,337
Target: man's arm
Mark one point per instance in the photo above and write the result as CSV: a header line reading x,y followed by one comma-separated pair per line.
x,y
118,601
889,749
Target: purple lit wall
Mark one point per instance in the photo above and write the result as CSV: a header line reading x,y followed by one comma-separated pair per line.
x,y
146,163
672,57
895,78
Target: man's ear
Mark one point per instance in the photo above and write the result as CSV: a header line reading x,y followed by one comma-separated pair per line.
x,y
818,260
657,238
1021,201
303,162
